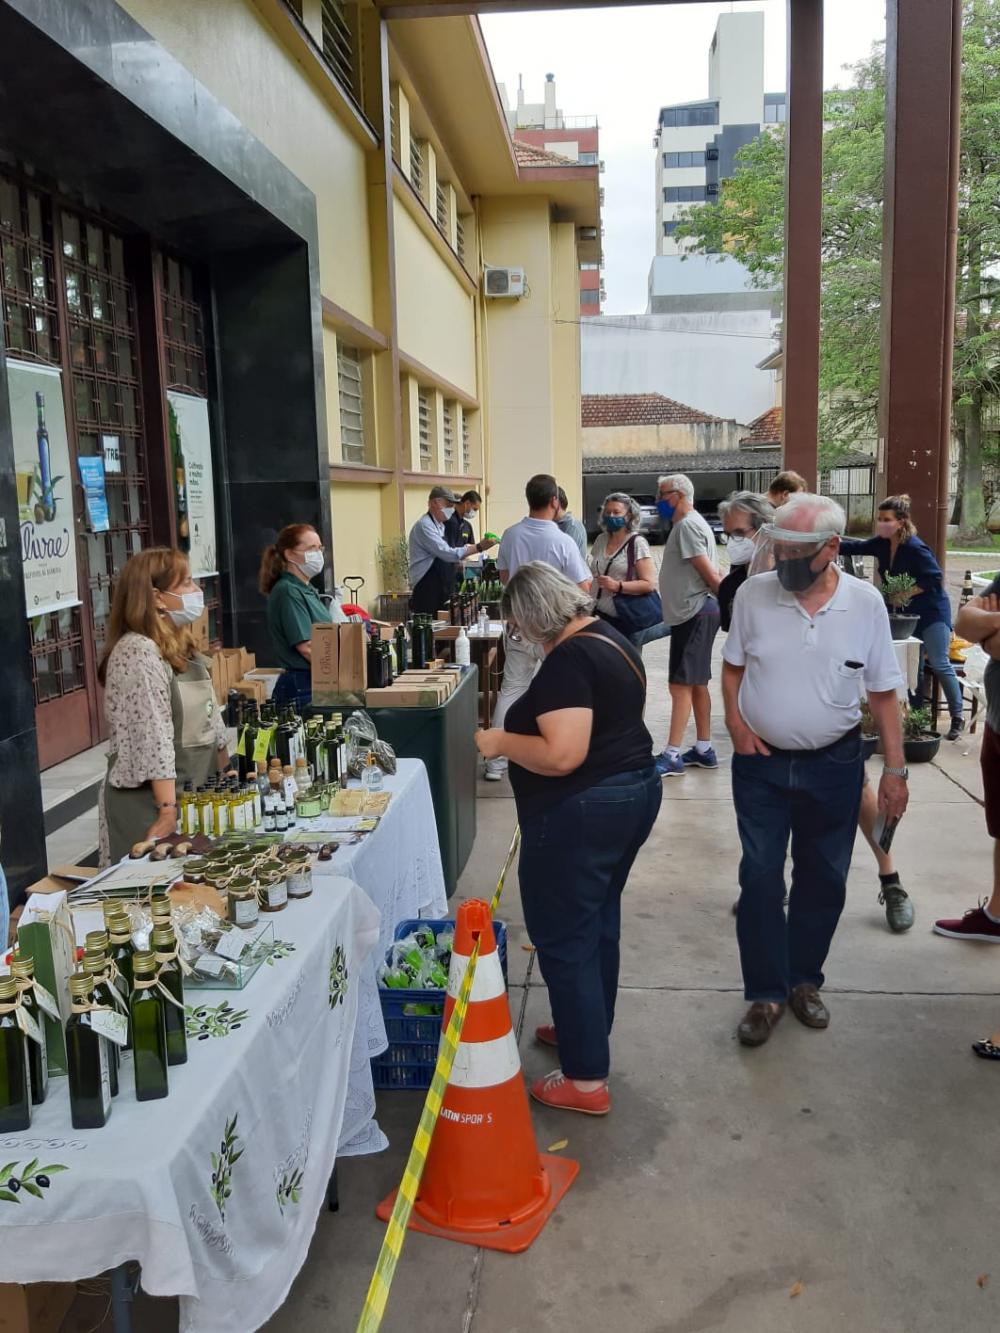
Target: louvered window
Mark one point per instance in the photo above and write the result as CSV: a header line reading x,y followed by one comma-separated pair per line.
x,y
460,239
424,431
466,444
338,42
448,437
352,423
442,208
417,166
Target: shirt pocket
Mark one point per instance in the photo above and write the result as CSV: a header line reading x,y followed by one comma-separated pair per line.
x,y
845,684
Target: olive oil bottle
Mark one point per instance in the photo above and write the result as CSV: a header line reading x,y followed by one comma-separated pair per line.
x,y
149,1030
165,947
15,1079
23,971
96,967
120,935
87,1058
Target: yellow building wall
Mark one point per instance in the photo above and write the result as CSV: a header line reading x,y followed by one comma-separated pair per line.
x,y
565,289
435,314
267,89
356,512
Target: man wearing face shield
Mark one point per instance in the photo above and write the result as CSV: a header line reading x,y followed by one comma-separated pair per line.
x,y
804,641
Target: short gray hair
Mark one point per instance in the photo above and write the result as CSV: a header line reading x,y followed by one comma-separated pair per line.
x,y
758,508
542,602
678,482
634,512
826,514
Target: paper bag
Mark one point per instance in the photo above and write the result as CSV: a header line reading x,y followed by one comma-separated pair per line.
x,y
339,664
45,933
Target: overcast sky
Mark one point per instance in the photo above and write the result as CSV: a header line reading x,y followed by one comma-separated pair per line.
x,y
622,64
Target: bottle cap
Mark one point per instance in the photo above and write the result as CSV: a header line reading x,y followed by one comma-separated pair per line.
x,y
287,770
8,988
144,963
96,939
163,935
160,907
119,929
94,962
22,966
81,986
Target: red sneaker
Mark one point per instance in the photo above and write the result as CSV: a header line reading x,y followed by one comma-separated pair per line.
x,y
557,1090
975,925
546,1034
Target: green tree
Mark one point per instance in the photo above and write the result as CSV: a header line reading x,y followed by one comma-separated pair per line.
x,y
748,223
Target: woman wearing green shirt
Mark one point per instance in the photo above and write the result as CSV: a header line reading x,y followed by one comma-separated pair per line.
x,y
294,606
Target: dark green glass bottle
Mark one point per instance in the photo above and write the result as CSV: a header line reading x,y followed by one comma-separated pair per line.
x,y
96,967
15,1080
120,932
22,969
165,947
149,1030
87,1059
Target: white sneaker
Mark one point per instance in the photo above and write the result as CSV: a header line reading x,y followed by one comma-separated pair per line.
x,y
494,774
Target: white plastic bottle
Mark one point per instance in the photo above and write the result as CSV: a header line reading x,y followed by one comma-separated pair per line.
x,y
463,653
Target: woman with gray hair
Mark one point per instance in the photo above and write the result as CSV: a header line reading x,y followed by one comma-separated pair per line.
x,y
743,515
621,560
587,795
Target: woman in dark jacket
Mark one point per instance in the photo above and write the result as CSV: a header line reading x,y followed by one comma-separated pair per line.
x,y
743,515
587,794
898,550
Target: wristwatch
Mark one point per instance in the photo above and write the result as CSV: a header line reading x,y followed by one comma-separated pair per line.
x,y
903,772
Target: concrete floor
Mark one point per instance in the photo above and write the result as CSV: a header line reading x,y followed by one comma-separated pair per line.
x,y
843,1165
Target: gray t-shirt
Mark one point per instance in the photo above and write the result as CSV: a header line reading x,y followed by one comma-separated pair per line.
x,y
682,589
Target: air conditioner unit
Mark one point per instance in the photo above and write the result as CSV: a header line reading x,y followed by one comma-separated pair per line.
x,y
711,154
504,282
712,188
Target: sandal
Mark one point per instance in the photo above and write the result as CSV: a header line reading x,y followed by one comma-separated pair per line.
x,y
986,1050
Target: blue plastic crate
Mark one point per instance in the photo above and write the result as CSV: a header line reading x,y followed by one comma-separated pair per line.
x,y
413,1037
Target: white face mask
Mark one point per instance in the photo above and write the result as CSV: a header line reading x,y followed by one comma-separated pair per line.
x,y
312,563
191,607
740,550
447,513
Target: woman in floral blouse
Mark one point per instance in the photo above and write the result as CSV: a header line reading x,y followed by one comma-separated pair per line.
x,y
165,727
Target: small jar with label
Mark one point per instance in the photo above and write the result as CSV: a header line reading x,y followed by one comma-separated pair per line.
x,y
273,893
244,908
299,880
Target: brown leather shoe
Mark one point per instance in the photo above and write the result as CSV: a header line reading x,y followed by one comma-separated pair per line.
x,y
808,1008
758,1023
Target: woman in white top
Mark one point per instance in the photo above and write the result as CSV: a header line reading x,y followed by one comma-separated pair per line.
x,y
619,552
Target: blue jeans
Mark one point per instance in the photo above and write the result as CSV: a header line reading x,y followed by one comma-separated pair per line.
x,y
937,639
814,797
574,862
293,687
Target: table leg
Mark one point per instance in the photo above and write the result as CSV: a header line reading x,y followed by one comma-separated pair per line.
x,y
332,1193
123,1289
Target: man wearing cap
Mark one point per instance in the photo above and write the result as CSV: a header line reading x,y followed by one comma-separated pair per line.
x,y
433,561
805,640
536,537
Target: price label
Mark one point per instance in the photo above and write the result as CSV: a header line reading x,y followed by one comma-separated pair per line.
x,y
46,1001
29,1025
241,744
111,1025
209,965
232,945
262,744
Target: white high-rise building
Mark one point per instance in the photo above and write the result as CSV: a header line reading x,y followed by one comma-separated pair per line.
x,y
697,142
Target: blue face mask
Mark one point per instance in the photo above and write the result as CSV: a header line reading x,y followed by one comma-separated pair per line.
x,y
665,510
614,522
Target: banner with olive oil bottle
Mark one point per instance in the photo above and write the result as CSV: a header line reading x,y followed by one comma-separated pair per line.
x,y
44,487
194,486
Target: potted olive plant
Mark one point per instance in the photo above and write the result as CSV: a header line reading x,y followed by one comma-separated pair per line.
x,y
920,744
898,589
393,559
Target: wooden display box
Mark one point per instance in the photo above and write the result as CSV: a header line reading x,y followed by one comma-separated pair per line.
x,y
39,1307
412,694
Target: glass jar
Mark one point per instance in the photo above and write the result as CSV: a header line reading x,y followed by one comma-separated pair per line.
x,y
194,870
309,804
273,894
299,880
242,902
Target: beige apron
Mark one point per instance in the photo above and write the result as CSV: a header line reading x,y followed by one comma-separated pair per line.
x,y
129,811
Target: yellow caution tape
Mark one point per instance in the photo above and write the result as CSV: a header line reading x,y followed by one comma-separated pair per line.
x,y
392,1246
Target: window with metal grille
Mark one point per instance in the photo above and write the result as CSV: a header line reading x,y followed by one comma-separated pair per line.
x,y
352,403
27,276
338,44
394,123
466,444
424,431
460,239
417,166
448,437
442,208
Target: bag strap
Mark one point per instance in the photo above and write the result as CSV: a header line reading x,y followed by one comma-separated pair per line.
x,y
629,547
639,675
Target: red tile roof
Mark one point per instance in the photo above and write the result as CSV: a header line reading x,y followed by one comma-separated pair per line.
x,y
765,429
638,409
528,155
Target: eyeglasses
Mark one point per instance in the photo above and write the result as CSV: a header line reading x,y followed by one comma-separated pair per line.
x,y
740,532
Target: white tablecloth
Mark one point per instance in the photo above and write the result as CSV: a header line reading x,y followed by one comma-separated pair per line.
x,y
399,868
265,1087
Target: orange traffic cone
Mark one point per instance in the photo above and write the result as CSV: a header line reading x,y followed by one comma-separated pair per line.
x,y
485,1182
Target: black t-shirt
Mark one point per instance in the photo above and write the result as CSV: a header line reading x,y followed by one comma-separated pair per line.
x,y
582,673
458,532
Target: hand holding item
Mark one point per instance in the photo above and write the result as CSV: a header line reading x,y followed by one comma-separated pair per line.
x,y
893,795
489,742
491,539
164,824
609,585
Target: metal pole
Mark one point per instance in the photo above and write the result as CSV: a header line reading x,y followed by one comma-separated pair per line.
x,y
122,1296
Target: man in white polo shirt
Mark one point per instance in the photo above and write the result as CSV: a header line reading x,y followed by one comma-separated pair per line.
x,y
805,639
536,537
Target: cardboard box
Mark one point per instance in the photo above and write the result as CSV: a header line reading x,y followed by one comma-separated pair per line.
x,y
413,695
339,664
200,631
39,1307
45,933
448,679
252,689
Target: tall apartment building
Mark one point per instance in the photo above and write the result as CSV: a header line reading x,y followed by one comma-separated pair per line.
x,y
543,126
696,142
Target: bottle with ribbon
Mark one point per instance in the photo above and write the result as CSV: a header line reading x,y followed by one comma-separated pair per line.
x,y
149,1029
168,974
15,1077
88,1056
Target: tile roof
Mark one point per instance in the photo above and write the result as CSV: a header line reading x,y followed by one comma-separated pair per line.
x,y
729,460
765,429
638,409
528,155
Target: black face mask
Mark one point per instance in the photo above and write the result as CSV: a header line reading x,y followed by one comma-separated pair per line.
x,y
796,574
